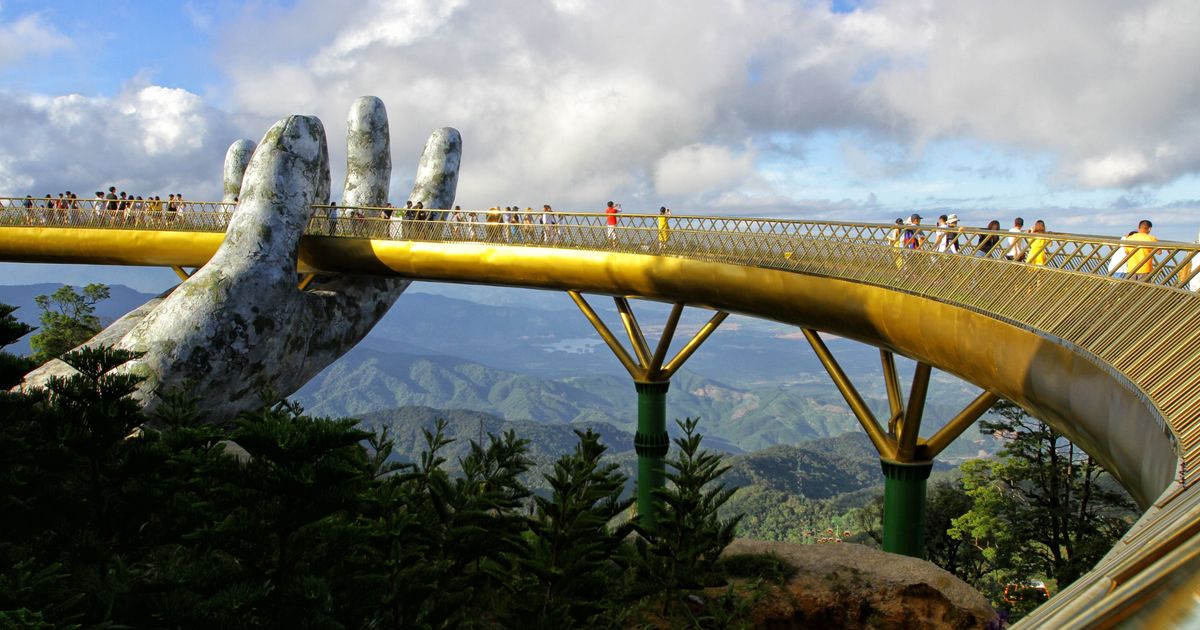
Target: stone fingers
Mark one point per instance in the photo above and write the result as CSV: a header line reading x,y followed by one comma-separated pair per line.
x,y
368,154
236,160
436,181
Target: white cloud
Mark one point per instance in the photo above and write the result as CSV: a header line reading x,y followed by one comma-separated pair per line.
x,y
1114,170
170,120
146,139
574,102
26,37
700,169
1100,84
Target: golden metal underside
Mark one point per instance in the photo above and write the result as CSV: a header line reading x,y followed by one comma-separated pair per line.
x,y
1113,364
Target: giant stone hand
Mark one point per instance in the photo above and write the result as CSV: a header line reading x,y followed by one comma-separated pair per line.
x,y
239,327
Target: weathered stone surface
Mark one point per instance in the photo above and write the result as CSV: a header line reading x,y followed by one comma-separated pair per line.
x,y
852,586
107,337
368,154
237,158
437,172
239,330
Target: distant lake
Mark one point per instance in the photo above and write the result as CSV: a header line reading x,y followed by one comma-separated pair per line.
x,y
581,345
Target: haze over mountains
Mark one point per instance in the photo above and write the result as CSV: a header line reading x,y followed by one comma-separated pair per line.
x,y
530,356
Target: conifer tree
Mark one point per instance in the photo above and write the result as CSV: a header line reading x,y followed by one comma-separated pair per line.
x,y
67,504
12,367
690,535
571,553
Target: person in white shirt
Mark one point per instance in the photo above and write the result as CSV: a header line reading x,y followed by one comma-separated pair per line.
x,y
1194,284
1014,246
953,232
939,235
1116,264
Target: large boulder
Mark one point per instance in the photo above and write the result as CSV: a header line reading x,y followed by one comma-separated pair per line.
x,y
852,586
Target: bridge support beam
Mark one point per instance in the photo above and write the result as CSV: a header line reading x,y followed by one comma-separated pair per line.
x,y
905,457
652,444
904,507
651,374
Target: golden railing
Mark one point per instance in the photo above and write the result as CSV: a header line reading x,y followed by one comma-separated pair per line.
x,y
760,242
1147,330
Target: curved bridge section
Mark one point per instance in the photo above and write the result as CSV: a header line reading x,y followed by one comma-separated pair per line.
x,y
1112,363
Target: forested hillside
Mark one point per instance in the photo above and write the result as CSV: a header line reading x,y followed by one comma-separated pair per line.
x,y
783,490
528,355
734,419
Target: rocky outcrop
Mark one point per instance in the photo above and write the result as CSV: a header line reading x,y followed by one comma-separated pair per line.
x,y
852,586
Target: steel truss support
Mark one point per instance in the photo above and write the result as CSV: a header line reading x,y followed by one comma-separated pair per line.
x,y
651,374
906,458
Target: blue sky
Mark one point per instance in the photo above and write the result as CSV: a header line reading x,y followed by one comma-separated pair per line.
x,y
1080,112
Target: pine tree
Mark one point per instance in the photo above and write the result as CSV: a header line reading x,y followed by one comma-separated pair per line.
x,y
67,504
12,367
680,553
570,559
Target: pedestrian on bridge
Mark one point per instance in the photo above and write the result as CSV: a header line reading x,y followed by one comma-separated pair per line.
x,y
1037,246
664,230
495,224
509,221
1140,260
939,235
458,229
894,237
913,237
952,234
611,220
1194,284
1116,264
987,242
1014,246
549,224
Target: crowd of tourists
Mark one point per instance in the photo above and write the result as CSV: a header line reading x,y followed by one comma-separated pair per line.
x,y
1135,261
507,224
112,201
512,224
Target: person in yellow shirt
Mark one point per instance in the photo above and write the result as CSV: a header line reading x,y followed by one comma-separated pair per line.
x,y
1037,246
664,230
1139,261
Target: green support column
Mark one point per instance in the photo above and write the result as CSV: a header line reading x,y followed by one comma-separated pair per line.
x,y
904,507
651,443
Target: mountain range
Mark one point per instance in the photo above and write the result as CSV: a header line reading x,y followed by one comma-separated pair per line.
x,y
821,468
529,356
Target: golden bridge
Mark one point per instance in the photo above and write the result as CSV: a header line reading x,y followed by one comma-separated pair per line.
x,y
1112,363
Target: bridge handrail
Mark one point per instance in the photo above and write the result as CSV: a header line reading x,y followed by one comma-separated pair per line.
x,y
1166,263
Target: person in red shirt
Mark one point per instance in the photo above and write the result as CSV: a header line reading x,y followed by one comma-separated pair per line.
x,y
612,211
